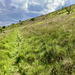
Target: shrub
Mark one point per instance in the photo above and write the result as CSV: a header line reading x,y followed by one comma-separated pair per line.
x,y
12,23
19,21
19,58
32,19
4,27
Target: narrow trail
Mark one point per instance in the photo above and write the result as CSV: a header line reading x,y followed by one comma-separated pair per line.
x,y
15,53
9,51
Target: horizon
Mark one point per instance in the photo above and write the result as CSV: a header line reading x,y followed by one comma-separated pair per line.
x,y
12,11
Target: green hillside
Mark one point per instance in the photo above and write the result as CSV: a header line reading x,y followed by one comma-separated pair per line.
x,y
43,45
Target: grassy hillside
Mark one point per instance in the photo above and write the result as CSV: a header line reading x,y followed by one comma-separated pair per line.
x,y
43,45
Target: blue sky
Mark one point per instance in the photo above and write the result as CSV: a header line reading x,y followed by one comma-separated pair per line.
x,y
11,11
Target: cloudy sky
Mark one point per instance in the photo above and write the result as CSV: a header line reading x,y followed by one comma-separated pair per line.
x,y
11,11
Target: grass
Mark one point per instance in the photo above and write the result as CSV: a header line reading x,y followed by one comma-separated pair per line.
x,y
45,46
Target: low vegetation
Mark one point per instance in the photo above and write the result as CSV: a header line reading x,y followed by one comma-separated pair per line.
x,y
45,46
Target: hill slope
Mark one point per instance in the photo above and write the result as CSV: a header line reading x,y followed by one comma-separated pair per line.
x,y
43,45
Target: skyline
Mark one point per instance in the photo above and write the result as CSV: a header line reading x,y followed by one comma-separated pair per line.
x,y
11,11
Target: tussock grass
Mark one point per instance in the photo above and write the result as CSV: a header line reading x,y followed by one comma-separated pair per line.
x,y
45,46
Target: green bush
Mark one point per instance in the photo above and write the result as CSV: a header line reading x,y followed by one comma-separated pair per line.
x,y
4,27
19,21
32,19
13,24
19,58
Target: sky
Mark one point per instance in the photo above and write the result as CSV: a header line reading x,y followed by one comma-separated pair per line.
x,y
11,11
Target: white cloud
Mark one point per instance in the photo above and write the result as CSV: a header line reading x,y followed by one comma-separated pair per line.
x,y
22,4
52,5
47,5
14,10
2,2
